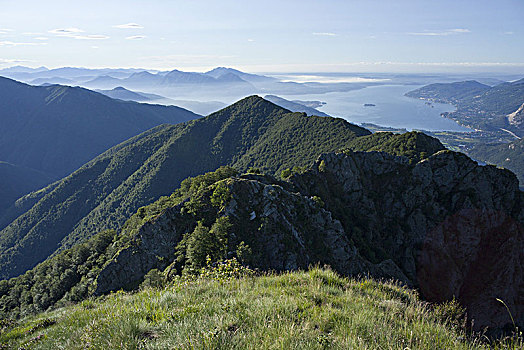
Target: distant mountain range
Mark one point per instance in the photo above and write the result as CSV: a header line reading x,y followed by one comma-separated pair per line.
x,y
134,78
24,73
219,84
55,129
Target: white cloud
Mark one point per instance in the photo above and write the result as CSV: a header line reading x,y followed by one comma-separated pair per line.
x,y
430,33
136,37
251,40
129,26
41,38
94,47
6,30
508,33
324,34
460,30
66,31
442,32
33,34
11,43
75,34
90,37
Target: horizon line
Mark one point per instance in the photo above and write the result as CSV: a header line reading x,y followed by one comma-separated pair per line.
x,y
359,67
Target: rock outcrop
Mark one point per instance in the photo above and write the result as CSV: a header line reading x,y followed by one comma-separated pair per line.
x,y
453,227
154,242
517,118
445,225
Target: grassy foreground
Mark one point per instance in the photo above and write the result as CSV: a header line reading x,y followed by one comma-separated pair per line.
x,y
300,310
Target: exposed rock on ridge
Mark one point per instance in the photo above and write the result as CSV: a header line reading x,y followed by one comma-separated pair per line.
x,y
453,227
445,224
287,231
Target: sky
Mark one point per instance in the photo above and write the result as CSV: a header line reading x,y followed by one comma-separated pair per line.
x,y
266,36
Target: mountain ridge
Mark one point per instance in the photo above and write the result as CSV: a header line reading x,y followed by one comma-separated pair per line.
x,y
55,129
456,232
103,193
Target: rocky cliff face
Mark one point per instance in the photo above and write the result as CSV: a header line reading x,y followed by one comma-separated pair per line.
x,y
445,225
147,250
453,227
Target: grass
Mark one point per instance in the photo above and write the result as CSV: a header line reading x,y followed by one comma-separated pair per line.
x,y
298,310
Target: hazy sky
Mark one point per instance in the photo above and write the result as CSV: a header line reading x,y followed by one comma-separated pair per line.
x,y
265,36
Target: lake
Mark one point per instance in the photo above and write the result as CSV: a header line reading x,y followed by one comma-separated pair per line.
x,y
391,108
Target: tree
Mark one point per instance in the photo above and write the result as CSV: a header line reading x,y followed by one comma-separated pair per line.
x,y
200,244
220,231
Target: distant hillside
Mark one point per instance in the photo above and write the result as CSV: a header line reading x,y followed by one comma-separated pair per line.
x,y
53,81
501,99
251,78
494,110
449,92
294,106
507,155
128,95
73,73
55,129
106,191
479,106
17,181
101,82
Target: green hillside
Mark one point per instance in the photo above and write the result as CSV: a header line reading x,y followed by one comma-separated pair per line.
x,y
507,155
449,92
16,182
479,106
109,189
501,99
56,129
413,145
230,309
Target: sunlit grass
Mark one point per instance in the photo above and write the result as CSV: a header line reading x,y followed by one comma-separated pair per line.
x,y
300,310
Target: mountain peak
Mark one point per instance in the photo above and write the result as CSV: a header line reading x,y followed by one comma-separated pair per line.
x,y
142,74
222,70
254,104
